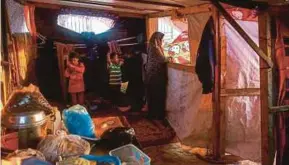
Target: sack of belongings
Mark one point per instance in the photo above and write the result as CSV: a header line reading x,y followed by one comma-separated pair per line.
x,y
64,146
78,122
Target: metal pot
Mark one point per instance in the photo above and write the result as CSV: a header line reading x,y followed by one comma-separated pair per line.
x,y
23,120
30,125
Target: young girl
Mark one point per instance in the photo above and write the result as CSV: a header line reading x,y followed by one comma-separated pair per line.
x,y
74,72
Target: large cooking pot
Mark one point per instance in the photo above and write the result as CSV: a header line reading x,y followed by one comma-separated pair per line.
x,y
23,120
30,125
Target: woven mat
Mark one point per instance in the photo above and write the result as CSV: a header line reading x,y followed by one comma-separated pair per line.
x,y
150,134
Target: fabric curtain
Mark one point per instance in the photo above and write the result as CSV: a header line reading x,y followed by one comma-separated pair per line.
x,y
30,20
26,46
151,27
10,76
282,62
26,54
63,51
197,23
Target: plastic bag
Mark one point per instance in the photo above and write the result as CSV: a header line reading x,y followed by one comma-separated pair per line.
x,y
26,99
119,136
75,161
26,153
77,121
63,146
34,161
123,87
111,160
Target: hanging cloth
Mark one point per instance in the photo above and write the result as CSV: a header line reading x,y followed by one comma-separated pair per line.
x,y
282,61
205,59
113,48
63,51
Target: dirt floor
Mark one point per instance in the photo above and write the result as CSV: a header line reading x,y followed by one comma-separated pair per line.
x,y
177,154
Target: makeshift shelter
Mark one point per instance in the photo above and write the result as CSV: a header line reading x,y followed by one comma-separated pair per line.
x,y
232,116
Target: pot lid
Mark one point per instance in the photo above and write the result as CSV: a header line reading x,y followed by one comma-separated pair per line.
x,y
23,112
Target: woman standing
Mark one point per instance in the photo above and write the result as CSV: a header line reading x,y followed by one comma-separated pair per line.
x,y
156,78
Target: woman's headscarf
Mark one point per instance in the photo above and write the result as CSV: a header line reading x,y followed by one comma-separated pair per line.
x,y
155,68
155,37
155,41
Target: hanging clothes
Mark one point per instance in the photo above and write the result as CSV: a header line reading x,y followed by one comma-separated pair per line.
x,y
205,59
282,61
63,51
114,47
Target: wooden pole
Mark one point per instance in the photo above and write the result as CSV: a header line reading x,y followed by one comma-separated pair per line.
x,y
217,148
243,34
265,87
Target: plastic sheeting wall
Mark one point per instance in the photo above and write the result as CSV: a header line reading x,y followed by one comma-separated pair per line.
x,y
189,112
242,113
16,17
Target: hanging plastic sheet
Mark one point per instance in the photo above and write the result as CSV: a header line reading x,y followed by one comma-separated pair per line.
x,y
242,113
16,17
189,111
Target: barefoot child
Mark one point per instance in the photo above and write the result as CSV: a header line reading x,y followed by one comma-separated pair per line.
x,y
74,72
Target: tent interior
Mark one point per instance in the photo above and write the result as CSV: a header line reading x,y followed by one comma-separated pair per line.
x,y
213,67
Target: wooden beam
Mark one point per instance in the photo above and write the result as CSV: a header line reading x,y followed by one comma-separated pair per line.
x,y
185,11
154,3
109,7
218,145
90,6
115,5
45,5
265,86
185,68
240,92
57,7
243,34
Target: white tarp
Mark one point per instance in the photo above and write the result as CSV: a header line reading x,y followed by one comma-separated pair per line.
x,y
242,61
243,121
189,112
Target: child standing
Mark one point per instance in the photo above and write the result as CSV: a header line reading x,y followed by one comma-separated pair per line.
x,y
74,72
115,80
115,76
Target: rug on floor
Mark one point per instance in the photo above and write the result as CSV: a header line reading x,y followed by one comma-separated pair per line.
x,y
150,134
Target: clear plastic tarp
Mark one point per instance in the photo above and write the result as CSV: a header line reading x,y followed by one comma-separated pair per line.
x,y
242,113
16,17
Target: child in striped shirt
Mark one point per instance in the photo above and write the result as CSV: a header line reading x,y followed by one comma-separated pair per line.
x,y
115,77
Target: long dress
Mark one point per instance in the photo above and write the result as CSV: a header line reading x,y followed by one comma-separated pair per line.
x,y
135,89
75,75
156,82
